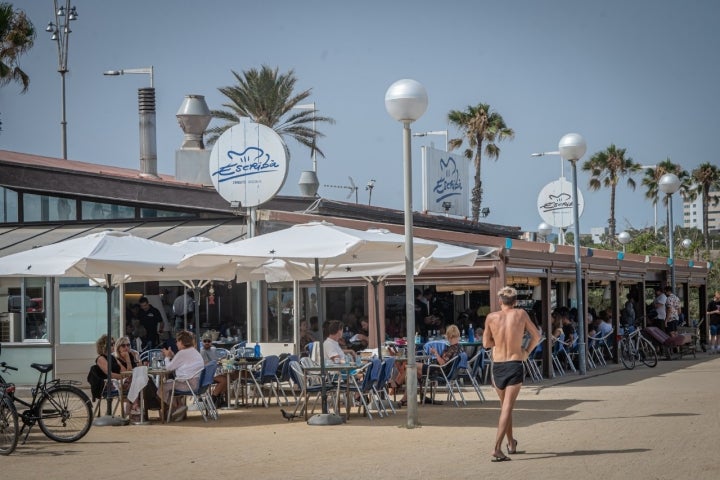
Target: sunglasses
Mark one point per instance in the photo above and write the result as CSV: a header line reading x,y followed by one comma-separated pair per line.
x,y
207,341
124,345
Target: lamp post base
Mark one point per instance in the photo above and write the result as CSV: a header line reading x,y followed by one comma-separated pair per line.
x,y
110,421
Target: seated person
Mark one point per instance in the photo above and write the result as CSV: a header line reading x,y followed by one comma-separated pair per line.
x,y
360,340
306,336
334,353
128,359
209,354
186,363
452,333
102,360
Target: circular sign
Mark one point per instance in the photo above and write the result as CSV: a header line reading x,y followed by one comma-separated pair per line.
x,y
249,164
555,203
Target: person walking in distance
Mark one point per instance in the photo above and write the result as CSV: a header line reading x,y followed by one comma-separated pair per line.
x,y
504,333
713,311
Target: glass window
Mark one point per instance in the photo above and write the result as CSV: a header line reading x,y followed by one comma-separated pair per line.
x,y
154,213
44,208
103,211
26,307
8,205
83,311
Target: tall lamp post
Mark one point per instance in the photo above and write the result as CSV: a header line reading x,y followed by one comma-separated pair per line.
x,y
624,238
60,30
146,110
669,184
572,147
406,100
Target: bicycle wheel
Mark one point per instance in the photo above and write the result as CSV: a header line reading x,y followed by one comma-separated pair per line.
x,y
627,357
9,432
65,414
648,354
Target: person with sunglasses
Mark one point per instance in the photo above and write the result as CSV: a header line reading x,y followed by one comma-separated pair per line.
x,y
209,354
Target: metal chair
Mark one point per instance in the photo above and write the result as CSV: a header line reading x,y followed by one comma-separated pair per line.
x,y
380,387
299,378
181,388
441,375
370,371
472,371
283,379
264,376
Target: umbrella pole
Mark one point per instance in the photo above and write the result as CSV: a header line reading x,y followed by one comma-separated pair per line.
x,y
324,418
108,419
375,284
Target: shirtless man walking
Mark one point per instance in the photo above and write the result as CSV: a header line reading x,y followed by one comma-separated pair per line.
x,y
504,332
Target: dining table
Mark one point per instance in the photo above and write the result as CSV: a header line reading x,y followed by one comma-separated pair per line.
x,y
346,368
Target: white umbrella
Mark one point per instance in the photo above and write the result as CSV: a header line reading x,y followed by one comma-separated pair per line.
x,y
320,249
112,255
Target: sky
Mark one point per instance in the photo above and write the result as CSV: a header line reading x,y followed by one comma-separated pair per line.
x,y
640,74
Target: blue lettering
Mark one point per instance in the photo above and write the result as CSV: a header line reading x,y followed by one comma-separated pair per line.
x,y
251,161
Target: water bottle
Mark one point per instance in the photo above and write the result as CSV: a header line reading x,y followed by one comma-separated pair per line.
x,y
462,335
471,333
257,350
418,339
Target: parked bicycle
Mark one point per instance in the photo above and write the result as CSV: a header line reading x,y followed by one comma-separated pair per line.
x,y
633,347
61,409
8,424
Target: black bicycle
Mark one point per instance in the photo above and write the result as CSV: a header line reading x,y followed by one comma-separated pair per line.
x,y
8,424
61,409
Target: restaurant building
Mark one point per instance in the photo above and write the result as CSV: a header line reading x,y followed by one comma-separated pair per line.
x,y
45,200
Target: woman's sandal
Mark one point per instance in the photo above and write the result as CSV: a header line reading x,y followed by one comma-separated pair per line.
x,y
514,449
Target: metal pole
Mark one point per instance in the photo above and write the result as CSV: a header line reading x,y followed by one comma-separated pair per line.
x,y
578,273
63,121
411,370
672,243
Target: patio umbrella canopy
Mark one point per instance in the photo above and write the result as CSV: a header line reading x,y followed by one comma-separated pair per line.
x,y
318,250
112,255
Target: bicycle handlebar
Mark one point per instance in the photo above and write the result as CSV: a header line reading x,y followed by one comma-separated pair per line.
x,y
5,366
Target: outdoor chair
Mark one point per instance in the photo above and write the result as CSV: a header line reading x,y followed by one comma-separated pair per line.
x,y
283,380
380,387
471,373
299,378
181,388
364,389
441,376
264,376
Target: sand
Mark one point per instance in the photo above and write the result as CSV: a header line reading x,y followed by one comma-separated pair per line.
x,y
659,423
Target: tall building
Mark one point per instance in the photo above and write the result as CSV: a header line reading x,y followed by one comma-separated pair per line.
x,y
693,213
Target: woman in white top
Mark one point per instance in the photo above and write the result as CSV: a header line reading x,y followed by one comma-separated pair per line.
x,y
186,363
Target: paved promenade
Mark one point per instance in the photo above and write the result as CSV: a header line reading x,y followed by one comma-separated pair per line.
x,y
661,423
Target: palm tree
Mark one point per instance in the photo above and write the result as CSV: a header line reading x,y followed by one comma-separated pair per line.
x,y
17,36
652,177
479,125
267,98
606,168
707,178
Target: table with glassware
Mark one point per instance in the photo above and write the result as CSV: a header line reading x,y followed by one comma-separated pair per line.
x,y
346,368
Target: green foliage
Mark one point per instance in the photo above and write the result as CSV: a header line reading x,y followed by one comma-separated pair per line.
x,y
17,36
267,97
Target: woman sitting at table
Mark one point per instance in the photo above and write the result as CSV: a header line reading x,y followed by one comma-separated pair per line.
x,y
186,364
452,333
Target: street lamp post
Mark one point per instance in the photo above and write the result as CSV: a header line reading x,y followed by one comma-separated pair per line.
x,y
406,100
572,147
669,184
146,110
60,30
435,132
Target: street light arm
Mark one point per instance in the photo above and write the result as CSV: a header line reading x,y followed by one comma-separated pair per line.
x,y
142,71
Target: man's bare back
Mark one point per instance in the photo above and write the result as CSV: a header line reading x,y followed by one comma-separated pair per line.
x,y
504,332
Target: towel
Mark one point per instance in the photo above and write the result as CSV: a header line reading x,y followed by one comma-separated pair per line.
x,y
139,380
